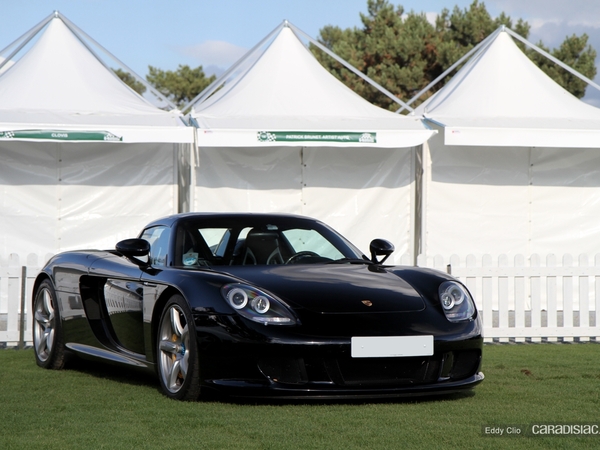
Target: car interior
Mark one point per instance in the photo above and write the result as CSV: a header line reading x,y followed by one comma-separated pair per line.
x,y
260,247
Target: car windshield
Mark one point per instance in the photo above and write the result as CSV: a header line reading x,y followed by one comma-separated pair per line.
x,y
259,240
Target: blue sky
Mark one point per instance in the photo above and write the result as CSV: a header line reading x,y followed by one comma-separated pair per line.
x,y
214,33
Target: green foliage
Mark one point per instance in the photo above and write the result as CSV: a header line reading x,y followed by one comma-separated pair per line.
x,y
179,86
130,81
576,53
393,50
404,52
462,30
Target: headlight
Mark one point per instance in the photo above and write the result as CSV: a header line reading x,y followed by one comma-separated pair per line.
x,y
237,298
257,305
456,301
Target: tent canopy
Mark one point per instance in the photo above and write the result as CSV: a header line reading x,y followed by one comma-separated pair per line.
x,y
86,161
287,98
60,85
501,98
515,168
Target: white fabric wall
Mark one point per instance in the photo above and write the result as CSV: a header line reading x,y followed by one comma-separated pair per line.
x,y
248,179
28,198
62,196
364,193
565,200
500,200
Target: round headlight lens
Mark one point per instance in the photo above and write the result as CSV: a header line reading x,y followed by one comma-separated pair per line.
x,y
452,296
261,304
257,305
237,298
447,301
456,301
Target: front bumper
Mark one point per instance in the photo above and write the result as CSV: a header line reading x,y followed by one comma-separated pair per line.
x,y
279,391
327,370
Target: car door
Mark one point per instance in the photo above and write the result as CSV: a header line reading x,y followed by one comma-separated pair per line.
x,y
122,295
113,302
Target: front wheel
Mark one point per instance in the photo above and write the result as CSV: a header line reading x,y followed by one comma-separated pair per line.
x,y
47,328
178,365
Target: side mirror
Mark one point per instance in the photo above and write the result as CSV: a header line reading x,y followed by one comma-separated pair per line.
x,y
380,247
133,249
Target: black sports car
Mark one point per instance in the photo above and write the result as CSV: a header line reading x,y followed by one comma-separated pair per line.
x,y
259,305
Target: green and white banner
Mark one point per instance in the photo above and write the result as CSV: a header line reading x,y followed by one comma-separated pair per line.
x,y
60,135
311,136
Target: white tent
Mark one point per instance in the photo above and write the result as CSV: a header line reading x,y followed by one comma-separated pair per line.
x,y
285,135
85,160
516,165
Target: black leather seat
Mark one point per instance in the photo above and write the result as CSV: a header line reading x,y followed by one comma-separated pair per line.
x,y
262,247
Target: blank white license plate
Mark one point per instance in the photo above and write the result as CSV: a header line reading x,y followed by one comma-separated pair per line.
x,y
391,346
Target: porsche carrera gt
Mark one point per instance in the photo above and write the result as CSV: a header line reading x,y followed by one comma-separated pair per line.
x,y
259,305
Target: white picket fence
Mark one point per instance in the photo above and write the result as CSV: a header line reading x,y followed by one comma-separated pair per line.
x,y
519,299
17,276
533,298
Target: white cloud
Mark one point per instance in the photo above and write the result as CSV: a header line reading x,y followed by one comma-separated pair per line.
x,y
553,20
553,34
431,17
583,12
214,53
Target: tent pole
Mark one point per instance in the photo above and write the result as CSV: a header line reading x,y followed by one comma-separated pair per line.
x,y
552,58
78,32
184,175
478,48
194,164
33,31
351,68
28,37
220,80
418,204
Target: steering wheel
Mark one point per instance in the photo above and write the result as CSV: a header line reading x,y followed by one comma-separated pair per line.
x,y
301,255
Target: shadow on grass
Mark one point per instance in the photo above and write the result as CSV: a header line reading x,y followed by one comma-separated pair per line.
x,y
415,399
138,377
113,372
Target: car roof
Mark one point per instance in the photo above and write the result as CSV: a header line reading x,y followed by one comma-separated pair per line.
x,y
184,217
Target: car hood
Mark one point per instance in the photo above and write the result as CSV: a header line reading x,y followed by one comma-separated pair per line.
x,y
334,288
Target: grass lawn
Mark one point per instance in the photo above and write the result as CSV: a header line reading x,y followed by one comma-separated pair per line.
x,y
92,407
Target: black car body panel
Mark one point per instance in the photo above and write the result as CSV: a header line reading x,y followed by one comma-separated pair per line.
x,y
111,305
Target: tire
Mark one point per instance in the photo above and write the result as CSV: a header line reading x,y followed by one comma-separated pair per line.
x,y
48,342
177,351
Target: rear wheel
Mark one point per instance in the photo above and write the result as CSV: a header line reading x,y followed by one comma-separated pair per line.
x,y
47,329
177,350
